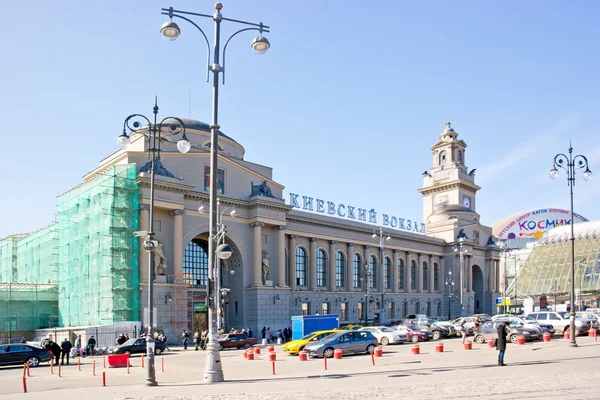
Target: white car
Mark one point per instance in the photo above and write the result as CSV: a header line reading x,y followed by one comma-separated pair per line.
x,y
385,335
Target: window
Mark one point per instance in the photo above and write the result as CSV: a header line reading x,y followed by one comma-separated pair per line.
x,y
390,310
436,276
443,157
439,309
305,308
372,271
553,317
361,311
459,156
404,308
344,312
321,261
401,274
339,269
220,180
418,307
300,267
413,275
356,262
387,271
428,309
325,308
425,276
195,263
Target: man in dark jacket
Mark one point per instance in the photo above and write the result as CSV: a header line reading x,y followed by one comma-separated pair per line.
x,y
66,347
91,344
55,349
501,342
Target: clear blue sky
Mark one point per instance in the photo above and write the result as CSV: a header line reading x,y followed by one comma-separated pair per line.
x,y
345,106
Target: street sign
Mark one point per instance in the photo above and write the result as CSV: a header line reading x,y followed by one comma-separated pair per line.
x,y
499,300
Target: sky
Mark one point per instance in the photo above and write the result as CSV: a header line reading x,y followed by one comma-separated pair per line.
x,y
344,107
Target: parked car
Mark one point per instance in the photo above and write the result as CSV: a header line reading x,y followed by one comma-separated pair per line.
x,y
560,322
295,346
483,317
353,342
415,334
533,328
527,322
438,329
235,341
351,327
19,354
489,330
385,335
137,345
593,318
469,325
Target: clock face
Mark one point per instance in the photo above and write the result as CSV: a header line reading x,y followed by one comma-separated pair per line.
x,y
467,202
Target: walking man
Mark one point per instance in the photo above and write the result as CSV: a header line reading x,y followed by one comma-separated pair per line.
x,y
55,349
185,336
91,344
501,343
197,339
66,347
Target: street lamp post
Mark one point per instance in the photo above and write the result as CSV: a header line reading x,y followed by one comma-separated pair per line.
x,y
366,279
506,251
170,30
450,283
461,251
571,164
582,266
154,136
382,239
554,288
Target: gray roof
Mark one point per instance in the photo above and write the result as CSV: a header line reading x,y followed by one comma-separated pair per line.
x,y
197,125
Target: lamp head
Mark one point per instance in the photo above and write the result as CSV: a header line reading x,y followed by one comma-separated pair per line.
x,y
224,251
587,175
388,238
553,173
233,213
202,209
183,145
123,141
260,45
374,235
170,30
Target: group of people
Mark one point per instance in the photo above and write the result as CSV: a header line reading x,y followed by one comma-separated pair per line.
x,y
284,335
123,337
65,350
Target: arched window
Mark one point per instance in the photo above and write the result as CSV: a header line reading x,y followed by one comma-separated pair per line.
x,y
436,277
356,263
321,262
443,157
459,157
425,276
439,310
339,269
372,271
413,275
300,266
401,274
387,271
195,263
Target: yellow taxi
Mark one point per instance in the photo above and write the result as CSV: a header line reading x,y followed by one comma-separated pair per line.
x,y
295,346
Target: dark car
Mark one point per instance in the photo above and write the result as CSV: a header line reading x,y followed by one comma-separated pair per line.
x,y
415,334
133,346
438,330
15,354
235,341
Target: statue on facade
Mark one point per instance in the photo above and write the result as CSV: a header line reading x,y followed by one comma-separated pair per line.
x,y
261,190
160,261
265,268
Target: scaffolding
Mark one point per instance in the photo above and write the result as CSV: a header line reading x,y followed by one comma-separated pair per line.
x,y
97,251
179,307
27,306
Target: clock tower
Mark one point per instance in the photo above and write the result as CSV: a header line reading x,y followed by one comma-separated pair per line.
x,y
449,190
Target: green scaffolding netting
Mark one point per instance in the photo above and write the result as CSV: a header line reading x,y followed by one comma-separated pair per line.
x,y
98,253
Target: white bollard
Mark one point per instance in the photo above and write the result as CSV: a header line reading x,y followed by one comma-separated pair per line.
x,y
279,341
264,342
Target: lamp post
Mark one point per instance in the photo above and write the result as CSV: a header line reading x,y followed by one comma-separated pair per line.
x,y
571,164
506,251
170,30
153,132
554,288
450,283
461,251
382,239
366,279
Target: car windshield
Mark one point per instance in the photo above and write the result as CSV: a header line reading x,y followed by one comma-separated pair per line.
x,y
307,337
529,320
386,330
414,328
129,342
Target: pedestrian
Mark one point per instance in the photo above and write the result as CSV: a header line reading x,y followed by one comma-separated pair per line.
x,y
249,332
268,335
163,338
463,329
91,344
55,349
263,331
197,339
65,347
23,340
501,343
184,337
203,339
280,336
78,344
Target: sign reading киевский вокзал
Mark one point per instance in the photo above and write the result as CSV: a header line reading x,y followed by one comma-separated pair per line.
x,y
356,213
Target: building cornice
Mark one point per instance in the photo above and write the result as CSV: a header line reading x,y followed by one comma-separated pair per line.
x,y
470,187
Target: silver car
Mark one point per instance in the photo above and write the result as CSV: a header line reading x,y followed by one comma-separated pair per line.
x,y
348,342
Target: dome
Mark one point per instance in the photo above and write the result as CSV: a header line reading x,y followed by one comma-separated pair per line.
x,y
197,125
448,132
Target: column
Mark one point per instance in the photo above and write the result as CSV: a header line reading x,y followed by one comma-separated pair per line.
x,y
178,244
292,261
281,256
312,275
468,261
420,273
366,262
432,275
349,268
490,269
257,281
395,270
442,276
144,224
408,276
332,265
497,276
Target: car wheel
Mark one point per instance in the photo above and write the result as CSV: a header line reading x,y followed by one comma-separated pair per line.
x,y
221,347
247,345
436,335
158,351
370,349
479,339
33,361
514,338
385,341
328,352
414,339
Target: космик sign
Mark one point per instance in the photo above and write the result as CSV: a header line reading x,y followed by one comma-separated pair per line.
x,y
356,213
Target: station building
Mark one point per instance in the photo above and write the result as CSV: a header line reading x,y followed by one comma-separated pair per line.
x,y
294,254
